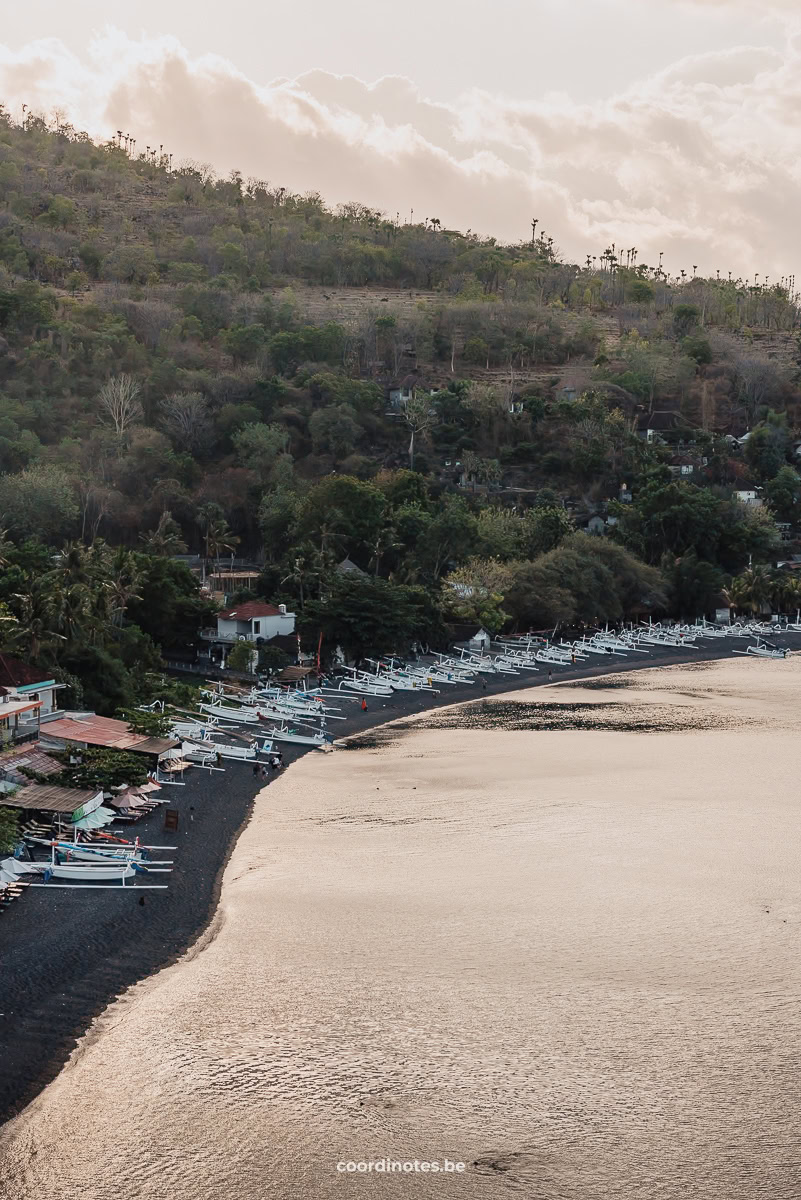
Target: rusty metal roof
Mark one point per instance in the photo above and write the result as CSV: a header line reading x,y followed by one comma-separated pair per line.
x,y
48,798
31,757
104,731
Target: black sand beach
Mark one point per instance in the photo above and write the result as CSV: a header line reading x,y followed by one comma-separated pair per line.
x,y
64,956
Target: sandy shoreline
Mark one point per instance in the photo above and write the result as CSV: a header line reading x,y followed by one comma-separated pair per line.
x,y
66,957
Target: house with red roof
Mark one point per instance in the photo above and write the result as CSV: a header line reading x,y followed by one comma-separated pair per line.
x,y
252,620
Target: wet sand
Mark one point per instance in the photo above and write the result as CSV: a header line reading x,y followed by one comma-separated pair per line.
x,y
565,956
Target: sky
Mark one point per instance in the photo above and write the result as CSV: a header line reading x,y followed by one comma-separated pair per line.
x,y
669,125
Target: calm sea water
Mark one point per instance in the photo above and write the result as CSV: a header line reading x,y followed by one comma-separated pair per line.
x,y
569,958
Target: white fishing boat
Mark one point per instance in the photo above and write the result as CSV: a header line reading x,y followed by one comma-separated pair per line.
x,y
246,753
239,716
366,685
477,664
763,650
435,674
573,650
300,737
502,666
85,852
83,871
588,646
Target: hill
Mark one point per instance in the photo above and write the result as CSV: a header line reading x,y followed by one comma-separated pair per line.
x,y
212,364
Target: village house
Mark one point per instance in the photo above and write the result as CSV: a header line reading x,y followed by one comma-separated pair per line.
x,y
400,391
749,496
252,621
686,466
653,427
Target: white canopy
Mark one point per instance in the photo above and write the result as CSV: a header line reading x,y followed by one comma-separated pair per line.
x,y
12,868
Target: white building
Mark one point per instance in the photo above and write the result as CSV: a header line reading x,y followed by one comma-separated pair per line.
x,y
749,496
254,620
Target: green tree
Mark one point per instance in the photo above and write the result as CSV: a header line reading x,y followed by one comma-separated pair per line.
x,y
544,528
99,768
349,507
783,493
753,589
364,615
9,829
334,430
170,608
685,318
766,448
449,538
694,586
151,724
241,656
38,502
261,448
475,592
166,538
244,342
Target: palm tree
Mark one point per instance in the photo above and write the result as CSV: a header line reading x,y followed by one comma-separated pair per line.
x,y
219,537
384,540
74,567
6,547
165,539
125,580
68,608
753,589
35,626
788,592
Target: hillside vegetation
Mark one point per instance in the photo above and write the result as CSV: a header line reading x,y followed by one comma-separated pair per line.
x,y
220,365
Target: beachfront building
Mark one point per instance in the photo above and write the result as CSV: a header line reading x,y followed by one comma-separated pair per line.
x,y
72,808
252,621
472,637
23,682
18,716
80,730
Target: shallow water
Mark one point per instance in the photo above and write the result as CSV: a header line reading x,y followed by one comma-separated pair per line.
x,y
565,956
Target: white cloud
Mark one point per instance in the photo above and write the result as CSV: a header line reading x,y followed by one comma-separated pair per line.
x,y
700,160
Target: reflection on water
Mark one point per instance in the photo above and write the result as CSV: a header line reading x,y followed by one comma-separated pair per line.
x,y
569,959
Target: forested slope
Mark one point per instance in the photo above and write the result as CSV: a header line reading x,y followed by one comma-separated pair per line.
x,y
218,364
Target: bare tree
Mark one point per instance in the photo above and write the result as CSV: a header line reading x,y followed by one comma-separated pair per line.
x,y
120,405
419,415
758,381
187,420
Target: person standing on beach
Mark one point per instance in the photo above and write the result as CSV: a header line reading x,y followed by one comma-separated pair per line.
x,y
550,674
364,704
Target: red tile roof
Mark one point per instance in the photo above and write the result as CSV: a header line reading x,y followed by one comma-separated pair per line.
x,y
16,673
251,608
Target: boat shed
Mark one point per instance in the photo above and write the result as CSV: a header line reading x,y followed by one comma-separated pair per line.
x,y
43,797
87,729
